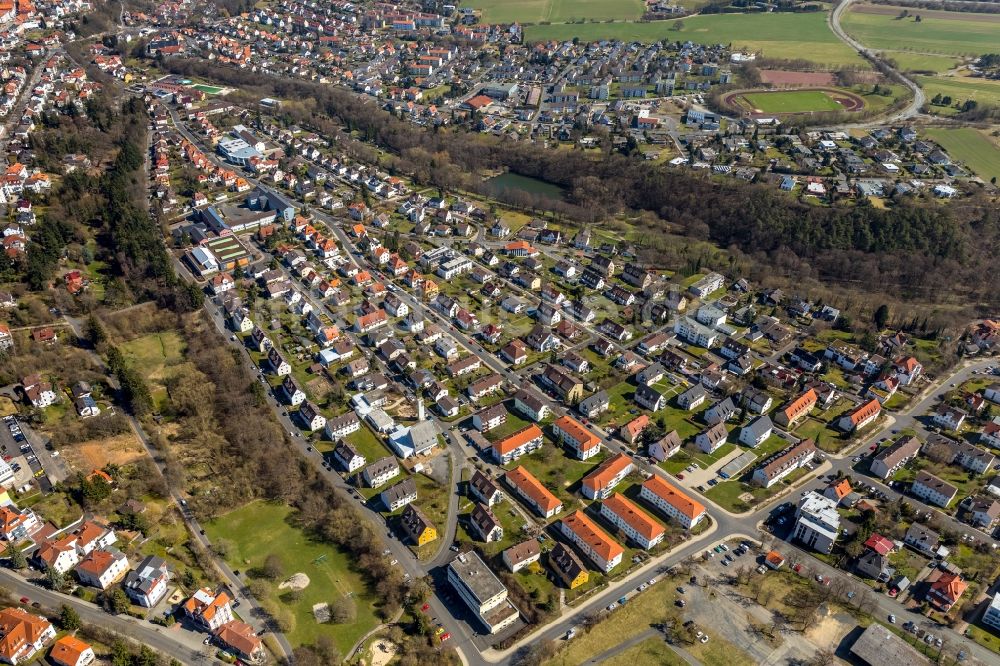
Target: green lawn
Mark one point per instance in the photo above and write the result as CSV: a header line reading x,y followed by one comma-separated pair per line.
x,y
650,652
970,146
792,101
557,11
558,472
945,33
260,529
368,444
156,356
776,35
727,494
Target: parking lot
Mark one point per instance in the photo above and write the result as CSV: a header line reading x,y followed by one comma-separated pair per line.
x,y
27,454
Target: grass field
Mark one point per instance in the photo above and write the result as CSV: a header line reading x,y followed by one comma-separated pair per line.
x,y
959,89
922,62
156,356
978,151
650,652
944,33
781,35
792,101
557,11
259,529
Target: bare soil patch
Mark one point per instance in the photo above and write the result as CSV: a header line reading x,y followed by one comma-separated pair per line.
x,y
786,77
381,653
97,453
295,582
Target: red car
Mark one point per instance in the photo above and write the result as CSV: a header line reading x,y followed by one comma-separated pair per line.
x,y
680,476
797,568
425,608
24,600
445,637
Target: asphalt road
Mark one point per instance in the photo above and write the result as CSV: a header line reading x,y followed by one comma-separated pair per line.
x,y
160,639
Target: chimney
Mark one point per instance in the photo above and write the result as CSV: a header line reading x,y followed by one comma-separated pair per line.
x,y
420,409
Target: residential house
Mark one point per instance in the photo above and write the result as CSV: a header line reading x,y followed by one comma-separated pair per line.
x,y
483,489
592,541
672,502
922,539
532,492
399,495
712,438
70,651
381,471
599,483
635,523
517,444
310,417
594,405
789,414
649,398
530,405
721,411
692,398
890,459
208,610
102,568
945,590
783,463
485,524
933,490
488,418
665,447
147,583
22,635
417,526
523,554
754,433
632,431
569,569
860,416
576,436
347,457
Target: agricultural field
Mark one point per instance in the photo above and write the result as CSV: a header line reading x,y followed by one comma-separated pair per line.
x,y
792,101
973,147
254,532
782,35
557,11
938,32
959,89
923,62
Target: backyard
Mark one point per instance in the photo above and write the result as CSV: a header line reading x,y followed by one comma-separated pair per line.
x,y
253,533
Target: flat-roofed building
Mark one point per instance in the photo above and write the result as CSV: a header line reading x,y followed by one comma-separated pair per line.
x,y
479,588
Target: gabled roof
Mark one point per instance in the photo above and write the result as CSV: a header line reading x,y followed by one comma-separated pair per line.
x,y
517,439
587,531
687,506
636,518
879,544
601,477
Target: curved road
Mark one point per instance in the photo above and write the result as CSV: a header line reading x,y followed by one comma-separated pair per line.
x,y
919,99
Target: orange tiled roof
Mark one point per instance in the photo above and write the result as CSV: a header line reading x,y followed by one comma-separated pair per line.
x,y
588,532
606,471
524,480
519,438
687,506
638,519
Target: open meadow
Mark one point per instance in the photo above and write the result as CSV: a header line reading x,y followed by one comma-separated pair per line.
x,y
251,534
779,35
